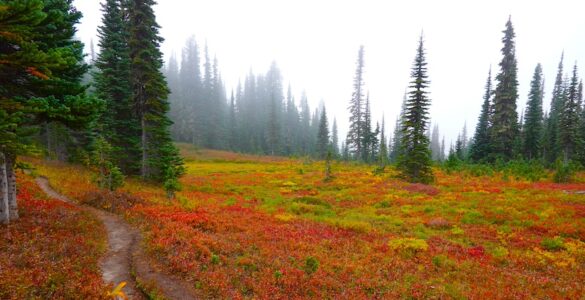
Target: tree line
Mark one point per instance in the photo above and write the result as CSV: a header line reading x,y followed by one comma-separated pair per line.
x,y
119,127
256,117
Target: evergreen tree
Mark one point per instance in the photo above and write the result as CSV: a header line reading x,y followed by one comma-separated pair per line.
x,y
504,129
415,157
551,146
435,143
397,137
335,139
41,69
442,153
570,120
191,99
323,135
383,152
305,126
112,81
480,147
274,80
160,158
233,125
355,135
366,132
533,127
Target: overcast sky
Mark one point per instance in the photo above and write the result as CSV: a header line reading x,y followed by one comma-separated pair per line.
x,y
315,43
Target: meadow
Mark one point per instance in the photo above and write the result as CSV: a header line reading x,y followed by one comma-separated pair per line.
x,y
264,227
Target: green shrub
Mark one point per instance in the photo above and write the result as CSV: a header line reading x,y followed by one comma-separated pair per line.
x,y
311,265
553,244
565,172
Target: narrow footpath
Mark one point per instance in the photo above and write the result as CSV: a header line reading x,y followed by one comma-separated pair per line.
x,y
125,254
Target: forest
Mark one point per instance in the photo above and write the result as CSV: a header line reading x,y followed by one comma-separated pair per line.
x,y
247,192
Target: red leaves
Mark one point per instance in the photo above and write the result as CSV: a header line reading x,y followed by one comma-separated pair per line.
x,y
422,188
52,251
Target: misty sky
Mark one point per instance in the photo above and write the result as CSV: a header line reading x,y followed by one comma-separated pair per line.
x,y
315,44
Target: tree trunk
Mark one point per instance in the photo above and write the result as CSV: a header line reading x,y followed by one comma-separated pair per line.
x,y
4,208
11,176
144,171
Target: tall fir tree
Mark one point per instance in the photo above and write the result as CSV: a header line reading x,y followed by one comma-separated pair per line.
x,y
504,130
435,143
366,132
397,137
160,158
335,138
383,153
533,118
551,145
41,70
480,148
355,134
415,156
120,126
569,122
323,135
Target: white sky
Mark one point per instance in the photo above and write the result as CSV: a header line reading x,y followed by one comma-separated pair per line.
x,y
315,43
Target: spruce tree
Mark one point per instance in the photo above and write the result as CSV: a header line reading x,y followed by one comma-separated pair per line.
x,y
383,152
41,69
355,134
233,125
414,162
112,81
160,158
366,132
323,135
533,127
435,143
397,137
569,122
504,130
335,139
551,146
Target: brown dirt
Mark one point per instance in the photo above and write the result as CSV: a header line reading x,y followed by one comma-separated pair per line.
x,y
125,254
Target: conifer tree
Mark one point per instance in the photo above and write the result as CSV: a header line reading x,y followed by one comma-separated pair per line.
x,y
41,69
504,130
397,137
480,147
383,152
233,124
415,157
532,129
112,81
366,132
551,145
323,135
335,139
355,134
569,122
160,158
435,143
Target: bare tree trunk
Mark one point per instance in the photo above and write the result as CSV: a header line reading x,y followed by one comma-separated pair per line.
x,y
4,208
11,184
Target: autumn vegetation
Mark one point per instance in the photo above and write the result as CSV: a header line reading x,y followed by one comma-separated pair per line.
x,y
262,227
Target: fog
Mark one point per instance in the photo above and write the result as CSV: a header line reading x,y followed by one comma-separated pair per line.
x,y
315,44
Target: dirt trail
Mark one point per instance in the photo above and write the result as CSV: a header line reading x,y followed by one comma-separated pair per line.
x,y
125,254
